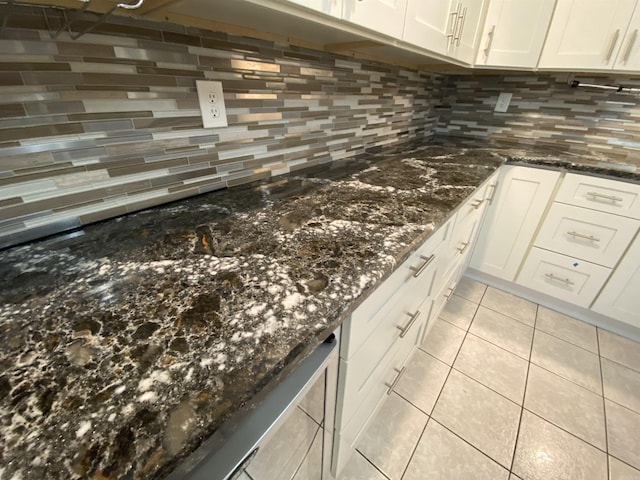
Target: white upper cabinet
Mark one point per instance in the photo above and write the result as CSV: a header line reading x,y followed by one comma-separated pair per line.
x,y
514,33
629,56
586,34
383,16
449,28
330,7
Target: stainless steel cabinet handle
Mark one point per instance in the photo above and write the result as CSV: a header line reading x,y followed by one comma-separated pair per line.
x,y
454,23
463,247
405,329
395,380
582,235
451,289
596,195
627,51
493,188
420,269
476,203
614,40
491,33
566,281
462,19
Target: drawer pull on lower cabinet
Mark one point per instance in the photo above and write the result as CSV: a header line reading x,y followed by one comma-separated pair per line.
x,y
463,246
405,329
451,290
595,196
476,203
493,188
582,235
566,281
420,269
395,380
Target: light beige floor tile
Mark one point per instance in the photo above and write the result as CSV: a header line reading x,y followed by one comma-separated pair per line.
x,y
313,403
623,426
619,349
422,381
243,476
459,311
358,468
503,331
443,341
514,477
398,424
567,360
479,415
510,305
621,471
470,289
567,405
567,328
621,384
441,455
311,468
294,437
494,367
546,452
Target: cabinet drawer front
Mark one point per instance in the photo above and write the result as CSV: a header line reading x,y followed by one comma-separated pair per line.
x,y
592,236
563,277
413,277
611,196
358,407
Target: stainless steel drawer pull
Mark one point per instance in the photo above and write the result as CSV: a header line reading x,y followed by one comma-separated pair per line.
x,y
395,380
493,188
451,290
582,235
454,24
596,195
463,246
476,203
405,329
420,269
566,281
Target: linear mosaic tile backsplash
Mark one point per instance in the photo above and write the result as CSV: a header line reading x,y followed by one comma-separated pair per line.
x,y
110,123
546,112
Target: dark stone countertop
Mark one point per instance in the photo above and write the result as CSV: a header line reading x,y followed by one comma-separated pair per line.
x,y
126,344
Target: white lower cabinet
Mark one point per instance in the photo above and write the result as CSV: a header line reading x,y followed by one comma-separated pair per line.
x,y
564,277
384,330
620,298
517,206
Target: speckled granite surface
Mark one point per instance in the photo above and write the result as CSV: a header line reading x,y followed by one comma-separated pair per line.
x,y
125,345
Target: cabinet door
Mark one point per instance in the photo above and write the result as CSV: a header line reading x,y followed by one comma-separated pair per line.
x,y
514,33
586,33
429,22
620,298
330,7
383,16
467,32
629,55
517,207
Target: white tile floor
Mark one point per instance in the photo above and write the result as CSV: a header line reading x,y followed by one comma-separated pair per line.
x,y
505,389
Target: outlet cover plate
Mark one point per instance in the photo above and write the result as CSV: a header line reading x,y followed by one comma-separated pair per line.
x,y
211,100
503,102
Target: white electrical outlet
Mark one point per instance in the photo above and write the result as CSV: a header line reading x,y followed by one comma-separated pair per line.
x,y
503,102
211,99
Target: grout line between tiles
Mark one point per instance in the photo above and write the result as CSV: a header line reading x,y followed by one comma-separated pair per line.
x,y
524,394
604,405
470,444
372,464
